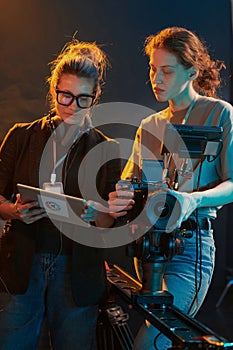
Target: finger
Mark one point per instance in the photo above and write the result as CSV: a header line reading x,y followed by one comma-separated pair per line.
x,y
112,195
88,217
128,194
31,219
18,198
25,208
126,186
116,209
116,215
33,216
37,211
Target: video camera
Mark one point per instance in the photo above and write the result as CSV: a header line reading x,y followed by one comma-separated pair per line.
x,y
161,209
156,210
156,213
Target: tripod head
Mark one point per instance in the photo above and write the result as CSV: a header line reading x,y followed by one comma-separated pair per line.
x,y
153,250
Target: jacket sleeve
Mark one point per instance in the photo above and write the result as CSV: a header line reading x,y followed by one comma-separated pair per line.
x,y
110,172
8,160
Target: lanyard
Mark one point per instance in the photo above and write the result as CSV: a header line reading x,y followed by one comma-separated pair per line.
x,y
189,109
55,162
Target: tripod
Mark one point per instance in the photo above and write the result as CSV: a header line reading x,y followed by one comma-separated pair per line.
x,y
155,304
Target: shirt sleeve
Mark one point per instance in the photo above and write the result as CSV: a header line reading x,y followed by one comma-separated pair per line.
x,y
133,165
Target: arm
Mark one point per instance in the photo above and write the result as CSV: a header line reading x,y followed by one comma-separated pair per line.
x,y
26,212
106,179
220,195
217,196
97,213
9,158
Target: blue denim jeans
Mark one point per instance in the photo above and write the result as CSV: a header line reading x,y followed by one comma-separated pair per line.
x,y
48,295
179,280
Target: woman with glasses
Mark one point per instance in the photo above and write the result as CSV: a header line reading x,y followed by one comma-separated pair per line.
x,y
43,273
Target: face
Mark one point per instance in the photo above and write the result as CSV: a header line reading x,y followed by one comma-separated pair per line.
x,y
77,86
170,80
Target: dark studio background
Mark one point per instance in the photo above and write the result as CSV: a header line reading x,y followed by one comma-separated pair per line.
x,y
33,32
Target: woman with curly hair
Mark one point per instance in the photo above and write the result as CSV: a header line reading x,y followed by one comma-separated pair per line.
x,y
183,74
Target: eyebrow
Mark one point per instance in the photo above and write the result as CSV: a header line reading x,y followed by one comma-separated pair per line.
x,y
65,90
164,66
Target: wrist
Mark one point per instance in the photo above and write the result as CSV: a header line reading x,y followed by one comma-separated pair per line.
x,y
3,201
197,196
105,221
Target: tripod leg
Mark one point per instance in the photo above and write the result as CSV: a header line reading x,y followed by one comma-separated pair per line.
x,y
113,332
124,336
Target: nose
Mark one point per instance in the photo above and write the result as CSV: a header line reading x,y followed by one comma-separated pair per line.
x,y
156,77
73,105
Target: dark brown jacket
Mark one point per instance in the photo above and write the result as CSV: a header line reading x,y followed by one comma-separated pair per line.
x,y
19,163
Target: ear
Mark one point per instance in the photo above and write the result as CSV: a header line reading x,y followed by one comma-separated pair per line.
x,y
193,73
97,95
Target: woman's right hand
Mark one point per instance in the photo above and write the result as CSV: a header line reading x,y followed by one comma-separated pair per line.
x,y
26,212
120,201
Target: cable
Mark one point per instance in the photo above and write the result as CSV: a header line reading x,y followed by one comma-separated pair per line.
x,y
199,241
155,340
198,252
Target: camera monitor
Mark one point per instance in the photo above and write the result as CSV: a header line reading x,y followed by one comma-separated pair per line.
x,y
192,141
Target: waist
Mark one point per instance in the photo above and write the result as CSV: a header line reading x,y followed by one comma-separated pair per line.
x,y
191,224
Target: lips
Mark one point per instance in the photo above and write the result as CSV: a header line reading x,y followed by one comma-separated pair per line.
x,y
158,90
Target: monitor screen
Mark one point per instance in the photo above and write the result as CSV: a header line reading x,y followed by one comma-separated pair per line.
x,y
191,141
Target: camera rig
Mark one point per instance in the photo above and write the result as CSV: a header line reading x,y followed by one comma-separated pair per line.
x,y
159,244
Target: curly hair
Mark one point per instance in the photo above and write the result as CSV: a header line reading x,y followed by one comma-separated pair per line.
x,y
82,59
190,51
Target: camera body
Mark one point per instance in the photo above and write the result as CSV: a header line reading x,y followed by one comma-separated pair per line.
x,y
155,213
157,208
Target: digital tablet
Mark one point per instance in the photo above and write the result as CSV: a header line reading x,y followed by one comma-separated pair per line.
x,y
58,206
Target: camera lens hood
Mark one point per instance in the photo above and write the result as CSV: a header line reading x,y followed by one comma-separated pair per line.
x,y
163,210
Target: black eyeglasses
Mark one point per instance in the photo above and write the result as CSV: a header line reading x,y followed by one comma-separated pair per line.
x,y
65,98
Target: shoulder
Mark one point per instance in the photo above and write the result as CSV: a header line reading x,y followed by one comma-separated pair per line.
x,y
24,128
214,103
23,131
99,136
155,118
214,111
40,123
154,124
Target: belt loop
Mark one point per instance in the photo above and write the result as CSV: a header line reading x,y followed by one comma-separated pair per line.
x,y
205,224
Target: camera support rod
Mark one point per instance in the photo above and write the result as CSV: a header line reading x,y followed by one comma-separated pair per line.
x,y
184,331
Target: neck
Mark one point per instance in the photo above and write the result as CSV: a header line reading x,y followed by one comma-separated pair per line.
x,y
182,101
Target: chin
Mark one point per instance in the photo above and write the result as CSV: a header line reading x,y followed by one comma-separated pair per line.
x,y
73,119
160,97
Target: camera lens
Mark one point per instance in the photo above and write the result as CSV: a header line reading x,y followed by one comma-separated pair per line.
x,y
163,210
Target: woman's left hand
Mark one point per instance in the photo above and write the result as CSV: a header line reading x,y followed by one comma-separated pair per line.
x,y
92,211
98,213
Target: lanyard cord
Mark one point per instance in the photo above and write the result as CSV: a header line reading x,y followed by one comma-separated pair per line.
x,y
55,162
189,110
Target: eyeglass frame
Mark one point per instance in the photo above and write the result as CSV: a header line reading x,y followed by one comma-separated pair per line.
x,y
73,97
